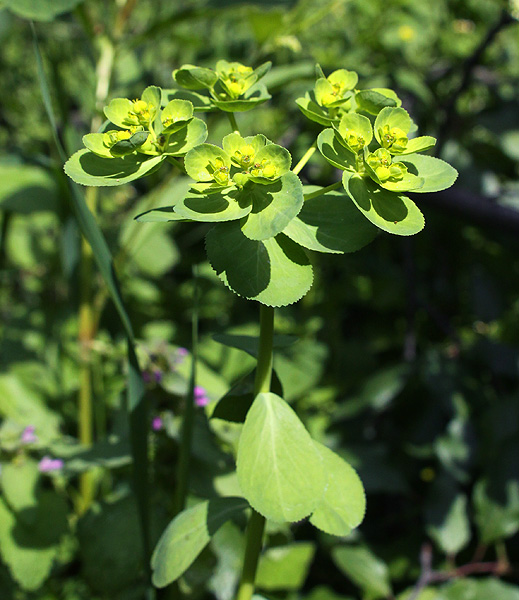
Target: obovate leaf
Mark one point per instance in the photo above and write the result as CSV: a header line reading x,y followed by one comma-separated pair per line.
x,y
195,78
438,174
217,206
331,223
364,569
314,112
276,272
334,152
343,505
87,168
274,205
189,137
374,100
389,211
188,534
280,471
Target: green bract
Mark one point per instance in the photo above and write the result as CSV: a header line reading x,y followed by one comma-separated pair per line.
x,y
355,132
233,87
392,127
335,89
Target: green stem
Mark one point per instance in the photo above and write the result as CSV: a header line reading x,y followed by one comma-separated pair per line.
x,y
329,188
177,163
306,157
256,525
183,465
234,124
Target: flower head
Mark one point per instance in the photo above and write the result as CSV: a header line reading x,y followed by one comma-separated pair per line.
x,y
48,464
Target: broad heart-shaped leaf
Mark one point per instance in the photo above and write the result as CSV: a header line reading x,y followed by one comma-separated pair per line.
x,y
273,206
195,78
314,112
389,211
180,142
374,100
331,223
215,207
87,168
343,505
334,152
275,272
438,174
280,471
188,534
257,94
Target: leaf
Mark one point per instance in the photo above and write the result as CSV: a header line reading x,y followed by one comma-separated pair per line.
x,y
479,589
201,162
188,534
446,513
86,168
314,112
374,100
330,223
343,505
438,174
392,117
182,141
42,10
195,78
215,207
200,103
26,188
19,485
117,112
285,567
255,95
162,214
273,206
276,272
497,510
389,211
280,472
364,569
334,152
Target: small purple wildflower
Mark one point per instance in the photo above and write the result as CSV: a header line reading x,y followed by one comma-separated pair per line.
x,y
201,398
28,435
48,464
182,352
157,375
157,424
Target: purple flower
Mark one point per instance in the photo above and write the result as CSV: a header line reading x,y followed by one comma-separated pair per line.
x,y
181,352
157,424
28,436
157,375
201,398
48,464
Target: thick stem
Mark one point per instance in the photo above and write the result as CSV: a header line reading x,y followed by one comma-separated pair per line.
x,y
256,526
322,191
306,157
189,413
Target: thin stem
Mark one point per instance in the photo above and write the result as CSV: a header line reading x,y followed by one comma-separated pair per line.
x,y
177,163
322,191
256,525
306,157
189,413
234,124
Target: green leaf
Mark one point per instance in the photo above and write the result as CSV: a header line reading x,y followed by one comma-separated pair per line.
x,y
273,206
19,485
374,100
364,569
358,125
446,513
438,174
132,144
180,142
334,152
479,589
117,112
497,510
233,144
279,468
42,10
195,78
389,211
343,505
276,158
87,168
254,96
276,272
285,567
331,223
26,188
176,114
314,112
162,214
392,117
419,144
201,161
218,206
188,534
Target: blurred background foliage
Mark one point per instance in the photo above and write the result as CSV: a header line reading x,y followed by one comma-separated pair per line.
x,y
407,359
